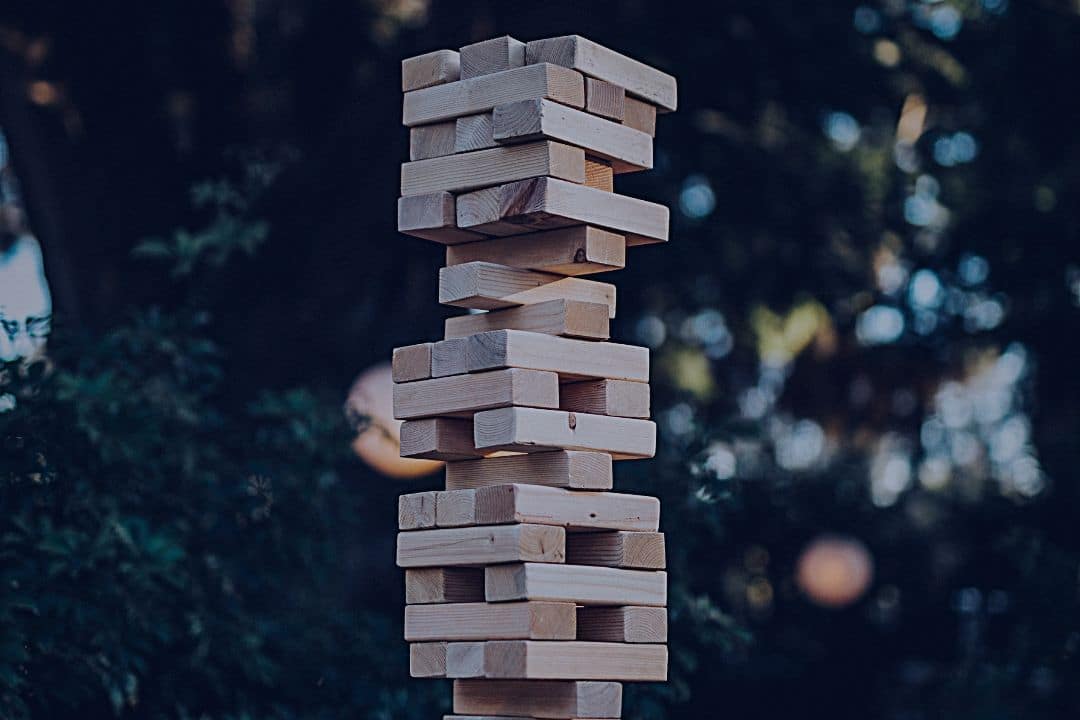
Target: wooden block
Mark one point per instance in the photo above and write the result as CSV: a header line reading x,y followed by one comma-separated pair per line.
x,y
641,550
455,508
622,624
465,660
520,429
491,56
575,660
538,699
640,115
627,148
432,217
462,394
555,317
448,357
572,509
412,362
416,511
570,358
585,56
544,203
604,99
433,68
481,94
487,286
598,174
581,584
483,621
481,546
429,141
474,132
620,398
427,660
563,468
483,168
444,585
439,439
577,250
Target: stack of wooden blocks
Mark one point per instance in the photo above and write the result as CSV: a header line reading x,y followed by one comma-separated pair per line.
x,y
528,581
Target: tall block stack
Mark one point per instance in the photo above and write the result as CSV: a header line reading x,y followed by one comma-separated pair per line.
x,y
529,582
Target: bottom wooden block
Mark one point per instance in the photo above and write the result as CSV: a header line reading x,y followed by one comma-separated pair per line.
x,y
544,699
575,660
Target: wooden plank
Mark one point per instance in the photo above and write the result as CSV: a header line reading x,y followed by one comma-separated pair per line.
x,y
622,624
487,286
563,468
481,546
483,168
599,175
462,394
640,115
448,357
628,149
439,439
555,317
427,660
455,508
433,68
577,250
521,429
640,550
412,362
474,132
483,621
416,511
594,60
544,203
572,509
481,94
491,56
574,660
429,141
465,660
432,217
551,699
605,99
570,358
581,584
444,585
620,398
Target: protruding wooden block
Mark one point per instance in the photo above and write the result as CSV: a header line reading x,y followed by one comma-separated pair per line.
x,y
439,439
427,660
491,56
604,99
429,141
484,621
554,317
495,166
481,94
551,699
444,585
433,68
581,584
640,550
448,357
474,132
416,511
622,624
562,468
572,509
575,660
487,286
472,546
520,429
640,115
620,398
455,508
412,362
571,359
463,394
432,217
599,175
577,250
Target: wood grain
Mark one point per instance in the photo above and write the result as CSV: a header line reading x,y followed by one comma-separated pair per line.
x,y
639,550
572,359
412,362
416,511
433,68
574,660
640,115
577,250
463,394
599,175
563,468
448,357
491,56
432,217
450,547
428,141
620,398
622,624
484,621
465,660
444,585
521,429
439,439
555,317
474,132
488,286
427,660
495,166
572,509
455,508
605,99
543,699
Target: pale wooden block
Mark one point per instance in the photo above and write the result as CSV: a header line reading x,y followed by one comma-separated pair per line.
x,y
577,250
455,508
465,660
640,115
488,286
495,166
416,511
474,132
571,359
574,660
491,56
481,94
543,699
444,585
463,394
628,149
432,217
481,546
484,621
620,398
604,99
427,660
562,468
433,68
572,509
585,56
622,624
448,357
639,550
544,203
429,141
412,362
521,429
581,584
555,317
599,175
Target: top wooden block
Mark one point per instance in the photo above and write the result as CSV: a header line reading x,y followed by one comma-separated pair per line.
x,y
491,56
574,51
433,68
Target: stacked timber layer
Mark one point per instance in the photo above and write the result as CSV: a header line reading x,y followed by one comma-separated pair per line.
x,y
528,580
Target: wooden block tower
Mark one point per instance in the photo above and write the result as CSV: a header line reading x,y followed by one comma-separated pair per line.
x,y
528,581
